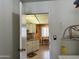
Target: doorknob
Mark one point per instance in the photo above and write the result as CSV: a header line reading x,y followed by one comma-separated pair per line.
x,y
21,50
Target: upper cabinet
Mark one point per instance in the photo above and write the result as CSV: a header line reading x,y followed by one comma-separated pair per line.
x,y
31,28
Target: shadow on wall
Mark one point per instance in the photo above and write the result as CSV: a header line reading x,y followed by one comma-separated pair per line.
x,y
16,35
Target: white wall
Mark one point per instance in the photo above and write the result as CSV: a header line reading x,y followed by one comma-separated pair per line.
x,y
5,29
6,45
36,7
54,22
69,15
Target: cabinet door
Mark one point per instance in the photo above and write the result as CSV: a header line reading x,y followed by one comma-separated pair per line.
x,y
29,47
31,28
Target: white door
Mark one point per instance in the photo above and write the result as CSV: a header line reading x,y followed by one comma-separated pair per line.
x,y
22,37
23,42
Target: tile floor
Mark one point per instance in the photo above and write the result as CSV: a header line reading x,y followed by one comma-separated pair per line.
x,y
42,53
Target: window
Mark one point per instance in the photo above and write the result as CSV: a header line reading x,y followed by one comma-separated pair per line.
x,y
45,31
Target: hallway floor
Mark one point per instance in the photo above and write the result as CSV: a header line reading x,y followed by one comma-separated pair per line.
x,y
42,53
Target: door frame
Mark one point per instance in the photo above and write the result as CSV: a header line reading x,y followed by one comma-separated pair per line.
x,y
48,24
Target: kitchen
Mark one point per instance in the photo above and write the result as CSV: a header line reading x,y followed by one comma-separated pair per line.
x,y
37,34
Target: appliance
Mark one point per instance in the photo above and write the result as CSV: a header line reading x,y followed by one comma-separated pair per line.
x,y
70,41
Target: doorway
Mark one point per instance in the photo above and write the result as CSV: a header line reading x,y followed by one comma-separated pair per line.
x,y
37,44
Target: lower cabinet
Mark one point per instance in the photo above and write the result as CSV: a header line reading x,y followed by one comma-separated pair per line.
x,y
32,46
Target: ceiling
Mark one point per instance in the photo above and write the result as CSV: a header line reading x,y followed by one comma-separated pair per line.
x,y
35,0
35,19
